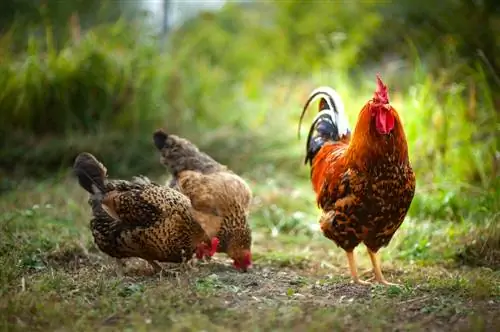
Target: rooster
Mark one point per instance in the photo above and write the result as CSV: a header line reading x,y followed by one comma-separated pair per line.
x,y
137,218
363,181
219,197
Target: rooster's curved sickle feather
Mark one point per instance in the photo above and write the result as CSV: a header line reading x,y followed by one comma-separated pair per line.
x,y
331,101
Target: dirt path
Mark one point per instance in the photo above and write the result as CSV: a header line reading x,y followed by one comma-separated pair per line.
x,y
277,294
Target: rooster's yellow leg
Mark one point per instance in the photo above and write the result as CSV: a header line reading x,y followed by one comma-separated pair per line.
x,y
379,277
354,269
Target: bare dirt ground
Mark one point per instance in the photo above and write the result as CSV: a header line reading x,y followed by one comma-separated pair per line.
x,y
82,289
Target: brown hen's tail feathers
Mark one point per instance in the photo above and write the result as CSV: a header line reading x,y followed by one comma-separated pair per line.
x,y
179,154
90,172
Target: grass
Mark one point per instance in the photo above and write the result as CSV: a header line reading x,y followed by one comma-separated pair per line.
x,y
53,277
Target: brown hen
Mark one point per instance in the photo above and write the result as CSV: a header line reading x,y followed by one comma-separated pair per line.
x,y
220,198
364,182
138,218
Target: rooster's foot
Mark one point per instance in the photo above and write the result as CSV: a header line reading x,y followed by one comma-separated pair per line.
x,y
387,283
361,282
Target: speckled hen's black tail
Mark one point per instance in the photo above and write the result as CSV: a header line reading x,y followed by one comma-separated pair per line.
x,y
90,172
329,124
179,154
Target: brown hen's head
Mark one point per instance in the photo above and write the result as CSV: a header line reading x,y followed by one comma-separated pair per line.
x,y
239,248
242,260
381,110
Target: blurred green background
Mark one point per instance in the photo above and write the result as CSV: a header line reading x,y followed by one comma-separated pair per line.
x,y
101,76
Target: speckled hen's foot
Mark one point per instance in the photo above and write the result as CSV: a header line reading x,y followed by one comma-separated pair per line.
x,y
156,267
161,271
120,267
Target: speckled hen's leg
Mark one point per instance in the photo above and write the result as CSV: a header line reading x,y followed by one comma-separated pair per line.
x,y
354,269
379,277
187,262
186,265
120,270
156,267
190,264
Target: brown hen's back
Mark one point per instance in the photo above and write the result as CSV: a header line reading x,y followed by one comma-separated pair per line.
x,y
219,197
138,218
221,202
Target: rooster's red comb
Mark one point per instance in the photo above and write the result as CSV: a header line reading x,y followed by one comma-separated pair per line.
x,y
381,94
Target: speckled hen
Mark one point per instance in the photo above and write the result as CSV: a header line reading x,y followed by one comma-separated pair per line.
x,y
138,218
219,197
364,182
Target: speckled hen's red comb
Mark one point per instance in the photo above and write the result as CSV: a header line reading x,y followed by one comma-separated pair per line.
x,y
381,94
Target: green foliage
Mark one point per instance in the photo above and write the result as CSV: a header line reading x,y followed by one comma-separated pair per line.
x,y
34,14
235,80
285,37
462,26
92,83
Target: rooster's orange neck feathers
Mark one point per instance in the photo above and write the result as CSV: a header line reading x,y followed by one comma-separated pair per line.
x,y
368,148
379,135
